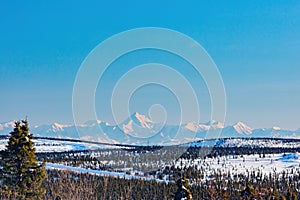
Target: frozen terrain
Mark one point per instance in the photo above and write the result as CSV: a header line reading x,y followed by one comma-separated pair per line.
x,y
270,163
44,145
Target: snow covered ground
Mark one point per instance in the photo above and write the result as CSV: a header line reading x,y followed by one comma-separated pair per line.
x,y
99,172
43,145
271,163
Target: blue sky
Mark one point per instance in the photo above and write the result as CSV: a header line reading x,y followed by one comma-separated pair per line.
x,y
255,45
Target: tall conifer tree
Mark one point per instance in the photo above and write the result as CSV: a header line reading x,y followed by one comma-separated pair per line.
x,y
22,176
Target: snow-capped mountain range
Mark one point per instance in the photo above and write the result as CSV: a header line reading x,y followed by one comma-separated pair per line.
x,y
139,129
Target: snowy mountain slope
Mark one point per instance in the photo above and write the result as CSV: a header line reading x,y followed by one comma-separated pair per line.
x,y
196,127
242,128
138,125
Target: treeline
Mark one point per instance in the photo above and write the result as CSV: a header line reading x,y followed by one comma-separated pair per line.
x,y
213,152
253,185
230,185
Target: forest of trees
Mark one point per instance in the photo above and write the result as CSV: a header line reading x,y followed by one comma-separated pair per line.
x,y
63,184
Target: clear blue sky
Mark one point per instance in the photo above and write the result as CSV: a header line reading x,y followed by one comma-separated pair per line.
x,y
255,45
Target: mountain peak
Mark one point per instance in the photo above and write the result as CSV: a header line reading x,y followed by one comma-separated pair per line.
x,y
193,126
215,124
141,120
58,127
242,128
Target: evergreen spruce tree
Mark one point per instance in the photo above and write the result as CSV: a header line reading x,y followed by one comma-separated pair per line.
x,y
22,176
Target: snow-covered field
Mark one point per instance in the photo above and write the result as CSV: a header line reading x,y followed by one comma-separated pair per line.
x,y
43,145
132,175
96,172
270,163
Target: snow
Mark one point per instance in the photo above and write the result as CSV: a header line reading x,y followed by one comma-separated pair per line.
x,y
192,126
265,164
57,127
276,128
100,172
271,163
127,128
43,145
3,144
144,121
139,125
241,128
83,170
195,127
291,157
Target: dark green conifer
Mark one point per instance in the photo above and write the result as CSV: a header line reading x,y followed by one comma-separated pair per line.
x,y
22,176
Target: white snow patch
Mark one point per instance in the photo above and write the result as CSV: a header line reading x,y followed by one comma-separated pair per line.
x,y
100,172
276,128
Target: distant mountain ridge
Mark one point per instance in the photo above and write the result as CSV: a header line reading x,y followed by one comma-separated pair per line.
x,y
139,129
